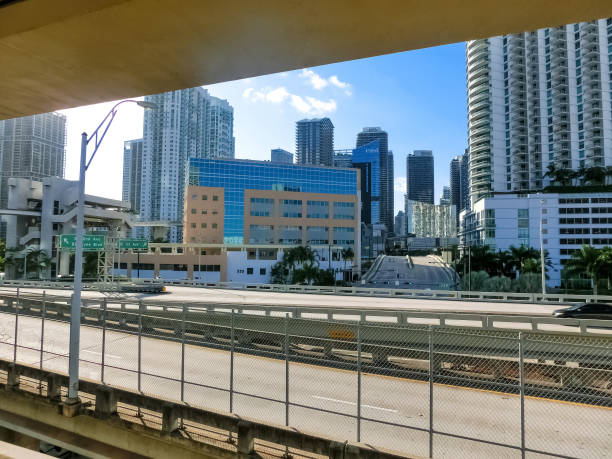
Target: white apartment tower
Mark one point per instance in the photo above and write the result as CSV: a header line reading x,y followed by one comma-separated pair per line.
x,y
187,123
538,98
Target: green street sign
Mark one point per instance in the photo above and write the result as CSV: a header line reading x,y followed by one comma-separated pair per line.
x,y
91,242
134,244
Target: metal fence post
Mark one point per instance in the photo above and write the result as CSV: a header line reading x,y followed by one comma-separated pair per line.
x,y
522,382
183,355
286,369
139,373
359,381
104,306
16,326
431,380
231,400
42,328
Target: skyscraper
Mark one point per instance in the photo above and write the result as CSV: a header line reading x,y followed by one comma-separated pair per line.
x,y
314,142
370,134
400,223
32,147
132,172
445,197
187,123
459,187
278,155
367,159
538,99
420,176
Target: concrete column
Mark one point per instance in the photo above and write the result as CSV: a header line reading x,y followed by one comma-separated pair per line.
x,y
64,263
246,442
12,378
106,402
53,388
170,419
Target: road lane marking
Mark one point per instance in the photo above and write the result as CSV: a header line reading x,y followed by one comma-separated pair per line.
x,y
346,402
106,354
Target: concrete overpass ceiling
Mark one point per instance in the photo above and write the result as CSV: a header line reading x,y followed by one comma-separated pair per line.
x,y
65,53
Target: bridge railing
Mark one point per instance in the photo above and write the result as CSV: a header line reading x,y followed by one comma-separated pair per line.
x,y
507,297
430,389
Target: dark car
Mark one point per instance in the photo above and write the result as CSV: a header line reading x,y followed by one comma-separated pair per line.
x,y
586,311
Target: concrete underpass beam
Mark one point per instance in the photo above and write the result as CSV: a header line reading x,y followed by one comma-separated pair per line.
x,y
12,378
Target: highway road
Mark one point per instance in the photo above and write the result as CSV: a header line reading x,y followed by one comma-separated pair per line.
x,y
564,428
210,295
427,272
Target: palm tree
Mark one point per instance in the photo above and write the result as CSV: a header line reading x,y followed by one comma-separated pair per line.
x,y
347,254
37,260
307,273
595,175
588,261
518,255
608,173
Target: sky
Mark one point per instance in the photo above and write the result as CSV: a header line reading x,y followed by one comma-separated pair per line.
x,y
419,97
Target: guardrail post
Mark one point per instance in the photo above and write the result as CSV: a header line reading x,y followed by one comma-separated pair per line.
x,y
12,377
431,387
16,326
183,325
53,388
104,306
106,402
139,372
286,369
522,388
231,397
359,381
170,419
246,441
43,312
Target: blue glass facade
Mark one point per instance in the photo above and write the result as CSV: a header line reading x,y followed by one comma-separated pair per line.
x,y
367,159
235,176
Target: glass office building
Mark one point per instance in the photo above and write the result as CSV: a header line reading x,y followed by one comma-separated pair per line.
x,y
236,176
367,159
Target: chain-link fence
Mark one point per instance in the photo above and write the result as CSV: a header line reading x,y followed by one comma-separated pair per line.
x,y
428,390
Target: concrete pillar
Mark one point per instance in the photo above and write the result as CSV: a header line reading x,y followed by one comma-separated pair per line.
x,y
246,441
53,388
64,263
106,402
170,419
12,378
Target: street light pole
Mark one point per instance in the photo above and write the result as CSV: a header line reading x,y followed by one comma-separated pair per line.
x,y
542,267
75,310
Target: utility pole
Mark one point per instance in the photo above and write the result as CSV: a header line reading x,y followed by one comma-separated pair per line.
x,y
542,267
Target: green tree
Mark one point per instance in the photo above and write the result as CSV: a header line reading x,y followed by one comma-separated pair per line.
x,y
325,277
308,274
528,283
347,254
90,265
37,261
474,281
2,254
589,261
498,284
595,175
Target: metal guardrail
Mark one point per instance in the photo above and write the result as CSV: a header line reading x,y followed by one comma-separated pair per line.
x,y
166,351
507,297
374,316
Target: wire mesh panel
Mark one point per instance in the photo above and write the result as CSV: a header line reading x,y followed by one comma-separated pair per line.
x,y
568,404
394,389
207,362
121,348
323,378
259,367
476,391
161,357
7,335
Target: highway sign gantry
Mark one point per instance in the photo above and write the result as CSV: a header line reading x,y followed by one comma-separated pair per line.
x,y
91,242
134,244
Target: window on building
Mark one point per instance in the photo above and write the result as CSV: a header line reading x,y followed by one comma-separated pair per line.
x,y
204,197
193,225
203,225
262,271
193,211
249,270
215,197
214,225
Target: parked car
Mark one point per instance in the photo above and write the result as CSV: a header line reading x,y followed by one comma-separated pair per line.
x,y
586,311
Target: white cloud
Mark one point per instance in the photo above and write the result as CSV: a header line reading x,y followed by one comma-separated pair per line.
x,y
277,95
307,105
318,82
321,106
399,184
300,104
341,84
315,80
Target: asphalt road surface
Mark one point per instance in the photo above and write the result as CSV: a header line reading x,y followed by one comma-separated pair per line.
x,y
210,295
428,272
563,428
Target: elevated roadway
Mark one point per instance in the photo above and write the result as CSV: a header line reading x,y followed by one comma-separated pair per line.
x,y
425,272
490,416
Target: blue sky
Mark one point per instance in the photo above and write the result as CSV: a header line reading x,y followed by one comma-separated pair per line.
x,y
418,97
